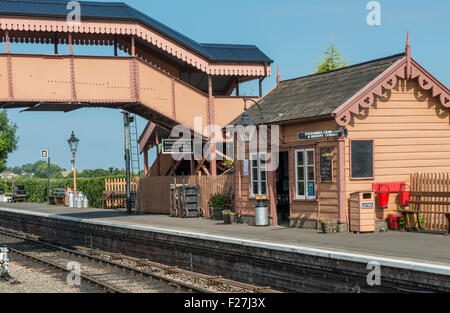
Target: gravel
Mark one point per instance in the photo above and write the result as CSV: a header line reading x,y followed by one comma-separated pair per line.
x,y
29,277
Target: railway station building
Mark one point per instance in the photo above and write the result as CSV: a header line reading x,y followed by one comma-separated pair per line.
x,y
345,131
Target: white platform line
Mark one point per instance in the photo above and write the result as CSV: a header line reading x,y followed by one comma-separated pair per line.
x,y
319,252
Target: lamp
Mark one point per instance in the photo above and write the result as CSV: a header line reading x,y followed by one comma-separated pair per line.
x,y
73,144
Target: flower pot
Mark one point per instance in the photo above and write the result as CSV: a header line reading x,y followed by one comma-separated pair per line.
x,y
227,219
216,213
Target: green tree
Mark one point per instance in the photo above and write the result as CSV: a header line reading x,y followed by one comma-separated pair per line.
x,y
40,170
8,139
331,61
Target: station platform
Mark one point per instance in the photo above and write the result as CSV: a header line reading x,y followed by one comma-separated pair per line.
x,y
404,247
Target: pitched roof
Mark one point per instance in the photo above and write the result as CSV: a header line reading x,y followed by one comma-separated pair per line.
x,y
118,11
318,94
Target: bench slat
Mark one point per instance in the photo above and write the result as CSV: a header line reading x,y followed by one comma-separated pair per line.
x,y
427,212
429,194
430,202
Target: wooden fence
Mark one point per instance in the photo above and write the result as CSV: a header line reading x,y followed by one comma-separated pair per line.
x,y
118,184
436,182
153,194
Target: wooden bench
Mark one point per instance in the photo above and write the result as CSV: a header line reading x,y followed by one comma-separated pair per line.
x,y
113,196
414,214
20,194
58,198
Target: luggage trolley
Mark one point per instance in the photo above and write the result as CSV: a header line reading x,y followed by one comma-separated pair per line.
x,y
185,200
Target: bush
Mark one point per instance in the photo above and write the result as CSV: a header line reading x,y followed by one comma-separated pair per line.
x,y
92,188
217,200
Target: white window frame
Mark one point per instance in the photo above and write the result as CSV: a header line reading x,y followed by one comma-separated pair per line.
x,y
253,157
305,174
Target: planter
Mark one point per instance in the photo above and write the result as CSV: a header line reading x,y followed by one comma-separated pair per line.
x,y
216,213
227,219
329,227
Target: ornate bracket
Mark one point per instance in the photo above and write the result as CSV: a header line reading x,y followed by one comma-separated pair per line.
x,y
387,81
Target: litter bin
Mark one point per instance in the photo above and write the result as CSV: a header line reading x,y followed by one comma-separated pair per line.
x,y
362,212
261,212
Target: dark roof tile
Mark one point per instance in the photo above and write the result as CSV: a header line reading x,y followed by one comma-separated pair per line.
x,y
123,12
318,94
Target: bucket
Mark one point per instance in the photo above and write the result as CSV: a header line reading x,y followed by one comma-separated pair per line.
x,y
404,195
383,197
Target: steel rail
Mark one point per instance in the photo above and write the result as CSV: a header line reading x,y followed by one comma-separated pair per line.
x,y
130,269
92,281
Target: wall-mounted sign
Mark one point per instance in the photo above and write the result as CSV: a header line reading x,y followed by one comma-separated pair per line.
x,y
320,134
177,146
367,205
326,164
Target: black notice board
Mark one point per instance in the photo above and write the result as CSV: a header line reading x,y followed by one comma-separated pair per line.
x,y
362,158
326,164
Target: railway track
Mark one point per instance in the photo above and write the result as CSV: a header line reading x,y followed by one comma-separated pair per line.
x,y
122,273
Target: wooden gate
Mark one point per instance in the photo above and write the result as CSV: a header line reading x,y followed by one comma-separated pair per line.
x,y
154,192
431,182
118,185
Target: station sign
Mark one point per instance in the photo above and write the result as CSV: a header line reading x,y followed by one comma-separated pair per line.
x,y
320,134
177,146
44,154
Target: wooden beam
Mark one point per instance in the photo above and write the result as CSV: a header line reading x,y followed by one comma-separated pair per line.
x,y
146,162
145,136
227,171
226,157
206,170
70,44
200,164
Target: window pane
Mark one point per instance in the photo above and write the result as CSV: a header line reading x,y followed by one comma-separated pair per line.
x,y
300,160
310,157
255,174
254,163
300,188
263,188
300,173
263,175
311,174
362,159
255,188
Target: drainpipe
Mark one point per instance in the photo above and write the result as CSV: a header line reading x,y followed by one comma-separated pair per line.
x,y
341,181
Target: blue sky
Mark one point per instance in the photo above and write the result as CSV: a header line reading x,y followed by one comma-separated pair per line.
x,y
293,33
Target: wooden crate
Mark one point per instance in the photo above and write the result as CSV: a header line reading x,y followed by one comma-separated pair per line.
x,y
362,212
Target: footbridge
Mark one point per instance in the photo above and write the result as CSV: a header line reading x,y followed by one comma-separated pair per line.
x,y
160,74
